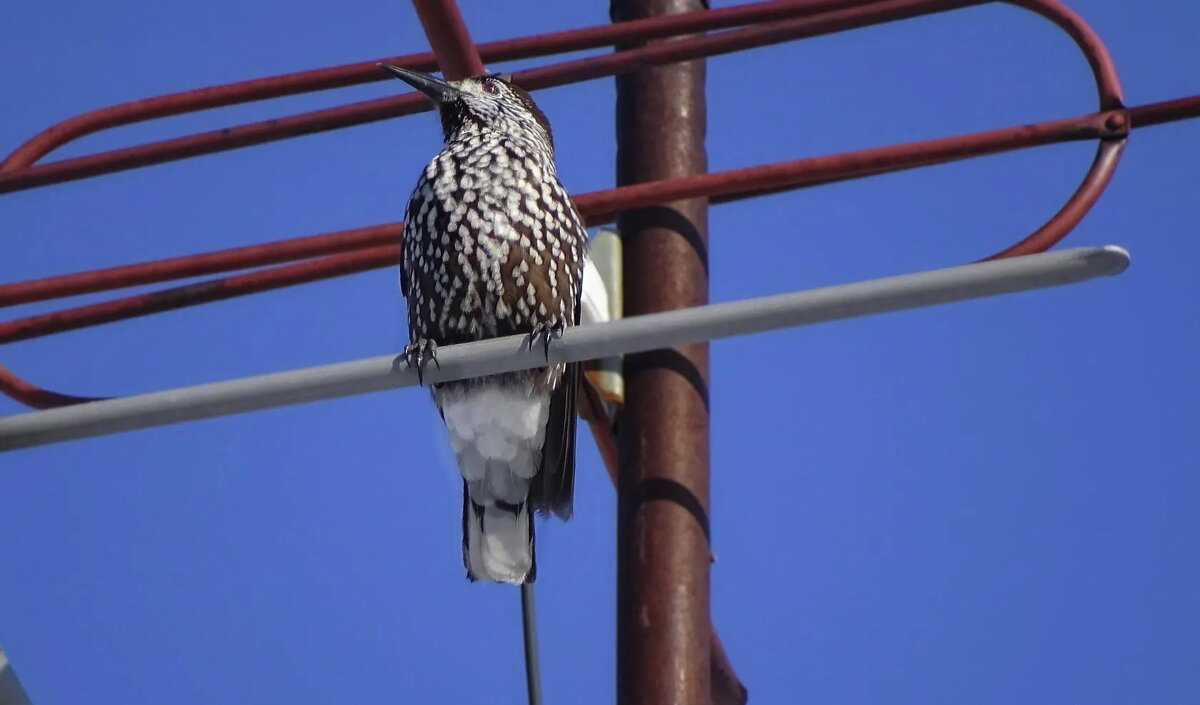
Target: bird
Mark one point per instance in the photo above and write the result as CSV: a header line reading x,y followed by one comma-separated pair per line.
x,y
494,246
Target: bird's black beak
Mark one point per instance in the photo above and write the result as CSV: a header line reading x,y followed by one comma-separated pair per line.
x,y
438,90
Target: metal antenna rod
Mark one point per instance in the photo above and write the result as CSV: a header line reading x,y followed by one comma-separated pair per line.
x,y
533,678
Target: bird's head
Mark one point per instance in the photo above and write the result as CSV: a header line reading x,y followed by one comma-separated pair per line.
x,y
489,102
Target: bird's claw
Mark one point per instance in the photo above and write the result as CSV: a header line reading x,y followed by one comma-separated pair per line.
x,y
546,332
418,354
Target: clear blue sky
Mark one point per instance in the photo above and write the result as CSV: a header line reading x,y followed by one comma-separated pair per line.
x,y
990,502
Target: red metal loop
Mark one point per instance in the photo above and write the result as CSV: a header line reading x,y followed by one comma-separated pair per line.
x,y
366,71
808,24
1067,217
357,250
1108,87
1107,84
34,396
598,207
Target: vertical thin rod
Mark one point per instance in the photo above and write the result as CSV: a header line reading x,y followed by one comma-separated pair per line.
x,y
11,692
533,677
663,623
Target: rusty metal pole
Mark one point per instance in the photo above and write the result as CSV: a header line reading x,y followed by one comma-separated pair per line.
x,y
663,625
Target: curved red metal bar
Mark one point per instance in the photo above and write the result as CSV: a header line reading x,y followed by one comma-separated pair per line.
x,y
807,25
25,291
50,139
458,57
597,207
365,248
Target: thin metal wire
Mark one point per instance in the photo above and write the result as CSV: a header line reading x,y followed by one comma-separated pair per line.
x,y
508,354
533,677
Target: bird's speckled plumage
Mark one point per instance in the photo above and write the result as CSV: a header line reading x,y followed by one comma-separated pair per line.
x,y
494,246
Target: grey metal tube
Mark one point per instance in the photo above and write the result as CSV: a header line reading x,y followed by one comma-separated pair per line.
x,y
650,332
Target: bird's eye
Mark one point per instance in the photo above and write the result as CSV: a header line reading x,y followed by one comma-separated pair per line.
x,y
490,85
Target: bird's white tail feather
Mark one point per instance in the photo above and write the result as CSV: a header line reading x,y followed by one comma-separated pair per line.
x,y
499,544
497,432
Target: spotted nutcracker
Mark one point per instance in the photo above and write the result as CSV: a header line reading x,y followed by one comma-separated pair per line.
x,y
493,246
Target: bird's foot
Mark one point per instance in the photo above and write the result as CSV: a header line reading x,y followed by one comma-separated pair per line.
x,y
546,332
417,355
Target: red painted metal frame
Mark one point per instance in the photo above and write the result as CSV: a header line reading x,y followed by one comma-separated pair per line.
x,y
449,38
18,172
335,254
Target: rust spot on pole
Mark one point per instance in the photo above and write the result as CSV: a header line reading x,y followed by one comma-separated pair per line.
x,y
664,651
